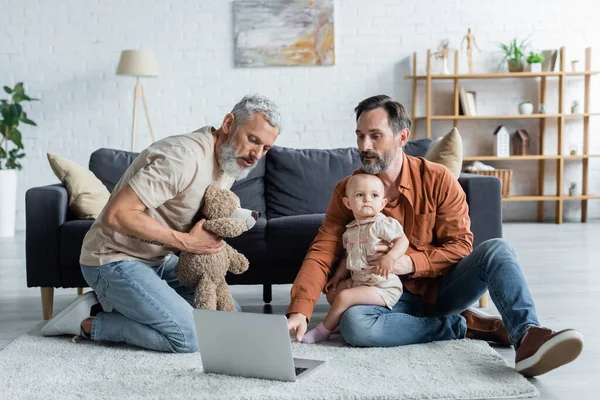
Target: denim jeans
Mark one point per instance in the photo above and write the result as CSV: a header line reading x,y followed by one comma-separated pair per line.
x,y
143,306
491,266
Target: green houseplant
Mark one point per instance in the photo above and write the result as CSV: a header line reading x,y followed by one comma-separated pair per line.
x,y
535,61
514,53
11,151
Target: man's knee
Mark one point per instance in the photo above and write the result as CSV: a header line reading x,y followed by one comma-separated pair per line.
x,y
495,249
355,325
184,338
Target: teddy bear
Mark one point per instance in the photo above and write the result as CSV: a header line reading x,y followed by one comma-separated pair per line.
x,y
206,272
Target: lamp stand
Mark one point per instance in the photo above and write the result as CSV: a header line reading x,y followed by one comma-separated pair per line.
x,y
139,92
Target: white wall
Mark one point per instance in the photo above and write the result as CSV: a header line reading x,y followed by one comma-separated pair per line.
x,y
66,53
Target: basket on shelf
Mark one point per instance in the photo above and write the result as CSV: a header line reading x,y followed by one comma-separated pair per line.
x,y
504,175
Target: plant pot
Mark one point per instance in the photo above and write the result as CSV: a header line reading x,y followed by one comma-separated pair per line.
x,y
526,108
515,66
536,67
574,109
574,67
8,202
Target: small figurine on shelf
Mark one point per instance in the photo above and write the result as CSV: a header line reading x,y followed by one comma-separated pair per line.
x,y
572,188
442,54
575,107
470,38
542,109
526,107
574,65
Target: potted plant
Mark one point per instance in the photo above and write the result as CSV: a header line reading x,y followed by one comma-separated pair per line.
x,y
514,53
11,151
525,107
574,65
575,107
535,61
572,188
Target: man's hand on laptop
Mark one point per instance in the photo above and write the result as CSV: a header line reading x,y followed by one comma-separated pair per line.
x,y
297,324
201,241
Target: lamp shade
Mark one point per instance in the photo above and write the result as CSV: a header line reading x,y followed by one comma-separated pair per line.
x,y
137,63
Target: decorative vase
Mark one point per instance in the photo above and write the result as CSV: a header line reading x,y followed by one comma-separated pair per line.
x,y
525,108
445,69
574,66
515,66
536,67
8,202
575,109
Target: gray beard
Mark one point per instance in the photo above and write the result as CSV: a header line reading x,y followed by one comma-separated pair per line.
x,y
382,163
228,161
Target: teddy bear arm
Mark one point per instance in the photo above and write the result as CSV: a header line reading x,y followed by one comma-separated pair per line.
x,y
238,263
225,227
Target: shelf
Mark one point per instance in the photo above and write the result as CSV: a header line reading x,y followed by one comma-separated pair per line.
x,y
581,197
516,116
551,198
502,75
529,157
475,117
530,198
510,158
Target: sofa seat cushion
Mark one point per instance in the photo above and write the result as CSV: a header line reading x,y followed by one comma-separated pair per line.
x,y
288,240
252,244
71,239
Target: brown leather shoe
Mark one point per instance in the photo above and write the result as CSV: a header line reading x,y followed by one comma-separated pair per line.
x,y
481,326
542,350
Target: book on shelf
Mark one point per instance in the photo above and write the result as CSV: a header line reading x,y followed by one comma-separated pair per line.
x,y
467,103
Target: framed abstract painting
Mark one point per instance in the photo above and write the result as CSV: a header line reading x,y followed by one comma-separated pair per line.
x,y
283,33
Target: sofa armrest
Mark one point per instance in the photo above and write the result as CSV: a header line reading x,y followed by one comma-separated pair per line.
x,y
484,196
46,210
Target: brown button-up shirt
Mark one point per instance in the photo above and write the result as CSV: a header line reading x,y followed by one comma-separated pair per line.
x,y
433,210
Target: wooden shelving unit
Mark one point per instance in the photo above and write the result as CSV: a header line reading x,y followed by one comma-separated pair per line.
x,y
559,198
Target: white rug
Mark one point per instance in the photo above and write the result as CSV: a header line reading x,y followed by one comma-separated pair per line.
x,y
35,367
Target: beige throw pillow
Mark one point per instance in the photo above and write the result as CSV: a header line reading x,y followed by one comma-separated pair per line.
x,y
87,194
447,151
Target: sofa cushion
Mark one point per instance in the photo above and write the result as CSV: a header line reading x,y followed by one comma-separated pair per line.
x,y
87,194
418,147
71,239
447,151
301,181
110,164
251,190
288,240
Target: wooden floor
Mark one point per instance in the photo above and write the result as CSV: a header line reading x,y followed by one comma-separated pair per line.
x,y
560,263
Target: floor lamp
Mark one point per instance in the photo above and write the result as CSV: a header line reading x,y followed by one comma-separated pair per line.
x,y
138,63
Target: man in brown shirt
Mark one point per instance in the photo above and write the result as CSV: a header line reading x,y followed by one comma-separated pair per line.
x,y
441,272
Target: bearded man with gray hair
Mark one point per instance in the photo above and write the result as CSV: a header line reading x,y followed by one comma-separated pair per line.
x,y
127,256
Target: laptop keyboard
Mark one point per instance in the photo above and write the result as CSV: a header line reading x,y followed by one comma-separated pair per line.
x,y
300,370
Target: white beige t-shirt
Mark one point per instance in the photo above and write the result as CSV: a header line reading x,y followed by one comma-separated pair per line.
x,y
170,178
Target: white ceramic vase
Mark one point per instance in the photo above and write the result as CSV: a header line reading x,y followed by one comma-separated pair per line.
x,y
526,108
8,202
536,67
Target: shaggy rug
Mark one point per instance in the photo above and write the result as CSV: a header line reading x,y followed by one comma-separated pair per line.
x,y
36,367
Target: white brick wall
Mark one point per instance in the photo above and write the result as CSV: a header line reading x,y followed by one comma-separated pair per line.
x,y
67,52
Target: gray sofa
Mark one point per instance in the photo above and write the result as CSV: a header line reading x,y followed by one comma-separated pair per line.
x,y
290,187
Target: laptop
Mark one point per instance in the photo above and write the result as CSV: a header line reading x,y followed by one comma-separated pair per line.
x,y
249,345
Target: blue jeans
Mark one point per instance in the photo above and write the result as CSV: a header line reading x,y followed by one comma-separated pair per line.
x,y
491,266
143,306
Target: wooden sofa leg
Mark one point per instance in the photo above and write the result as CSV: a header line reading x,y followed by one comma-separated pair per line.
x,y
267,293
483,301
79,291
47,301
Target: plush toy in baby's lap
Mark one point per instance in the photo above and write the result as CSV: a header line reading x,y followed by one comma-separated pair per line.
x,y
206,272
